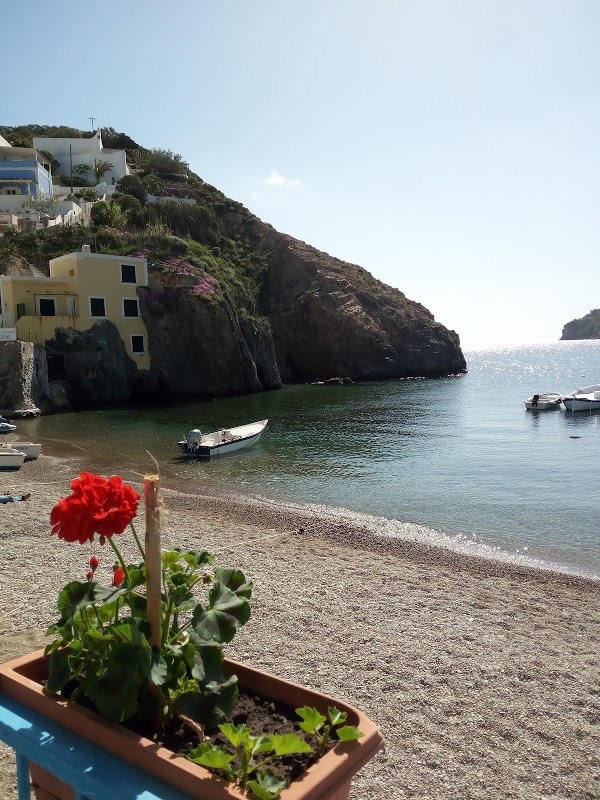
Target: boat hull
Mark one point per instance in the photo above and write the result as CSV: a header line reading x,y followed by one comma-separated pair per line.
x,y
220,443
11,461
580,404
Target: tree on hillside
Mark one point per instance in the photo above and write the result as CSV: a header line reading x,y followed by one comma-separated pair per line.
x,y
131,184
100,168
163,162
117,141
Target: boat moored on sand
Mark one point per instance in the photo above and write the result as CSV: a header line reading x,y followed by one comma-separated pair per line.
x,y
585,399
32,450
10,460
225,440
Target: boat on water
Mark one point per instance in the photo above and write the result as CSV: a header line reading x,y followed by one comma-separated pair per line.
x,y
585,399
32,450
6,427
225,440
10,460
543,401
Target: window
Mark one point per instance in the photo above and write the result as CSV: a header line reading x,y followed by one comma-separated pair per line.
x,y
131,308
47,307
128,273
97,307
137,343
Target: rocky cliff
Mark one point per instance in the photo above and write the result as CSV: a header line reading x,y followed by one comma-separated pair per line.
x,y
587,327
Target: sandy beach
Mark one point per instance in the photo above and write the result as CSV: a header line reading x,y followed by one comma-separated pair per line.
x,y
483,676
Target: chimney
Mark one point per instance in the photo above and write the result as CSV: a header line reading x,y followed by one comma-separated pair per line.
x,y
85,248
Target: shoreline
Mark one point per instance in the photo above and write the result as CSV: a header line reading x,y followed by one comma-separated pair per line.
x,y
483,676
364,531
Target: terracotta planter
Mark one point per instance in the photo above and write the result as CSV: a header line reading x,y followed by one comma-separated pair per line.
x,y
328,779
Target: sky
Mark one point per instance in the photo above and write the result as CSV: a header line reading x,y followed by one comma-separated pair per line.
x,y
451,148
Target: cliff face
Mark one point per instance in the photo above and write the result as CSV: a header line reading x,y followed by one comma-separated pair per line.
x,y
587,327
332,318
202,347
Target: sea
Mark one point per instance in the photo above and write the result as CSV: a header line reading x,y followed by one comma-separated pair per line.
x,y
459,456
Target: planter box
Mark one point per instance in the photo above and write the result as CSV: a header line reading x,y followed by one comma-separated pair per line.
x,y
328,779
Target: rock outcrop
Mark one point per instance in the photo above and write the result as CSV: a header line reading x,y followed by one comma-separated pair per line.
x,y
25,383
92,366
200,346
587,327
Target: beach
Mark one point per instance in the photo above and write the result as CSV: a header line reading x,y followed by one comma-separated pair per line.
x,y
483,676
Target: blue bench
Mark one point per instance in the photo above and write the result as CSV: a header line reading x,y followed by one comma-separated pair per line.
x,y
93,773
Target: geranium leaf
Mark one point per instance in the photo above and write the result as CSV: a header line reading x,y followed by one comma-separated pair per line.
x,y
59,673
312,720
235,580
211,707
336,717
158,669
348,733
224,615
74,597
211,756
267,786
208,663
236,734
287,744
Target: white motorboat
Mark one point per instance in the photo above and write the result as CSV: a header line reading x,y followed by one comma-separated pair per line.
x,y
585,399
10,460
6,427
31,449
225,440
543,401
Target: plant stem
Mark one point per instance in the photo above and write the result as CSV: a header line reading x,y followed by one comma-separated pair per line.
x,y
137,541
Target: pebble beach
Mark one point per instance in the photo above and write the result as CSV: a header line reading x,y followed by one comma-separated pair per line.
x,y
484,676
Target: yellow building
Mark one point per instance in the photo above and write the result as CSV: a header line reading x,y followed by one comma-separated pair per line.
x,y
82,288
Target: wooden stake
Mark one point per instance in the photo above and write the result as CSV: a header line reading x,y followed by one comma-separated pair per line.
x,y
153,556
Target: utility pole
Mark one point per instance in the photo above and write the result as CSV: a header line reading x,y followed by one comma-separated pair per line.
x,y
71,161
92,119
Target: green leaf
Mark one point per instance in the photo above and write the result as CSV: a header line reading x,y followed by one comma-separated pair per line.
x,y
211,707
211,756
235,580
224,615
313,720
158,668
207,660
348,733
267,786
59,673
287,744
236,734
336,717
75,597
114,691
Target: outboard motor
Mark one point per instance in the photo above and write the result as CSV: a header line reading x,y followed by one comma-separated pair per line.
x,y
194,439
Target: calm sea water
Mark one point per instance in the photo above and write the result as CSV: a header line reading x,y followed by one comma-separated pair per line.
x,y
460,455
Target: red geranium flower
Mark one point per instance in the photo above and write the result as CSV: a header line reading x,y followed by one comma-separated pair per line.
x,y
96,505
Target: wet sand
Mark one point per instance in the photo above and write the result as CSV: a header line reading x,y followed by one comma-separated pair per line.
x,y
484,676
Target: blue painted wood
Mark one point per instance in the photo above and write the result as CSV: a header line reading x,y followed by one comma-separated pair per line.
x,y
23,777
94,773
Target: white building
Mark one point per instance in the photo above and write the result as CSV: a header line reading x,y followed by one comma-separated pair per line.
x,y
71,152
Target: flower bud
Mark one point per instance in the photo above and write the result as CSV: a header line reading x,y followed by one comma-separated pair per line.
x,y
94,561
89,575
118,576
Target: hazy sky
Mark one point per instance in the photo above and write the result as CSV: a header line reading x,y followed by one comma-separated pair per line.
x,y
450,148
